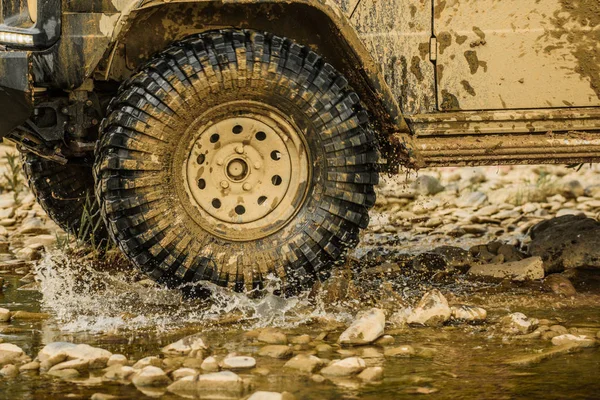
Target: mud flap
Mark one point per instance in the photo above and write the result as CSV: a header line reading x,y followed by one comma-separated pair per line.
x,y
16,97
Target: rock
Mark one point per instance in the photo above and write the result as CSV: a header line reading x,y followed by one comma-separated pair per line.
x,y
210,364
545,354
272,336
427,185
305,363
385,340
146,361
560,285
367,328
57,352
400,351
172,363
238,362
9,371
30,366
572,189
116,359
225,384
471,199
4,247
183,372
185,346
429,262
518,324
151,376
467,313
510,253
193,362
527,269
475,229
117,372
317,378
271,396
346,367
567,242
276,351
454,256
78,364
302,339
33,226
576,340
103,396
4,314
323,348
10,353
65,373
371,374
26,315
432,310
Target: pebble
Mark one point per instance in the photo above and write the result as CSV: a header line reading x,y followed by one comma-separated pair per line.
x,y
400,351
151,376
276,351
323,348
368,327
272,336
518,324
468,313
4,315
238,362
9,371
305,363
385,340
117,372
432,310
346,367
371,374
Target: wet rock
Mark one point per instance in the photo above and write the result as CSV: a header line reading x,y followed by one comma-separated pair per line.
x,y
400,351
305,363
210,364
510,253
116,359
518,324
271,396
238,362
59,351
65,373
151,376
183,372
385,340
276,351
30,366
10,353
427,185
346,367
9,371
432,310
468,313
560,285
454,256
566,242
575,340
185,346
225,384
526,269
4,314
367,328
78,364
272,336
117,372
147,361
429,262
302,339
371,374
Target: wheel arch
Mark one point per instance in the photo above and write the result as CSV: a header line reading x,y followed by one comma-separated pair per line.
x,y
143,31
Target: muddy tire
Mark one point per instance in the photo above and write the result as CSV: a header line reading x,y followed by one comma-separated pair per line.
x,y
66,193
235,157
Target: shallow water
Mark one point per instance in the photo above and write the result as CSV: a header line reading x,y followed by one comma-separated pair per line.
x,y
109,310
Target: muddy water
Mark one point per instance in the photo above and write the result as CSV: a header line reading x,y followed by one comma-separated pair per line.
x,y
108,310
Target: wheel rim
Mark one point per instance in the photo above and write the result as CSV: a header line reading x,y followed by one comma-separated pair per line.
x,y
247,171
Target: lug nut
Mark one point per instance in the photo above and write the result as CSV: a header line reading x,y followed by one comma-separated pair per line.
x,y
239,149
257,165
246,186
224,184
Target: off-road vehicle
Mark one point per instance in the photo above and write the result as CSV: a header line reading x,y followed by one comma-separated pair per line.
x,y
233,140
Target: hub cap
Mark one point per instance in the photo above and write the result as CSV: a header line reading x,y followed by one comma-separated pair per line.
x,y
247,175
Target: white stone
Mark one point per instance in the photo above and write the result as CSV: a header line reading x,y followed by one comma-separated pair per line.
x,y
210,364
432,310
367,328
371,374
59,351
346,367
518,323
576,340
238,362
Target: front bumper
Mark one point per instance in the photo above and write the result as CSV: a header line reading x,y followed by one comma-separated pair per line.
x,y
16,90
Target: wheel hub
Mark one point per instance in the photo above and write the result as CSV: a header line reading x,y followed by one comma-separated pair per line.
x,y
246,175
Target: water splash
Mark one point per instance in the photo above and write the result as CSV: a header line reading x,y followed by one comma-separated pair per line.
x,y
83,298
